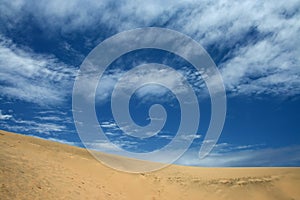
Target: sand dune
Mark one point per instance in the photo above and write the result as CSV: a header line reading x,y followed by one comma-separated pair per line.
x,y
32,168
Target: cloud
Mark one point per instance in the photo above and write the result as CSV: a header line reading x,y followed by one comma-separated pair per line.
x,y
54,116
34,127
188,137
162,76
172,80
41,124
46,128
255,43
263,68
63,141
103,146
31,77
75,16
5,117
110,147
226,155
110,125
49,118
107,84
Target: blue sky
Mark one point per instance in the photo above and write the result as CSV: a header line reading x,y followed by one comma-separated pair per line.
x,y
255,46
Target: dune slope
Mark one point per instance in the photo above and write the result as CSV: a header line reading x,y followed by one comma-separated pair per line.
x,y
32,168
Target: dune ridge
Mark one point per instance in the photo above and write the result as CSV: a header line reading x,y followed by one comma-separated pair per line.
x,y
32,168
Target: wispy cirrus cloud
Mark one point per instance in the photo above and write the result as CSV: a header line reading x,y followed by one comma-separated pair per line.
x,y
32,77
228,155
41,123
108,82
30,126
254,43
5,116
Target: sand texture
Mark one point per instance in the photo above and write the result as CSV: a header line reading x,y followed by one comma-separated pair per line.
x,y
32,168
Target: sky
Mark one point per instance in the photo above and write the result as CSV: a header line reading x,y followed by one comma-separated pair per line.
x,y
255,46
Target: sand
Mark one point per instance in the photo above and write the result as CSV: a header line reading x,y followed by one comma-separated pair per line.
x,y
32,168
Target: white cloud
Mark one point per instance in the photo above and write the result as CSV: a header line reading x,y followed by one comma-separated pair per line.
x,y
110,147
33,126
107,84
61,141
44,125
189,137
70,16
108,124
49,118
31,77
262,37
164,77
226,155
5,117
54,116
263,68
103,146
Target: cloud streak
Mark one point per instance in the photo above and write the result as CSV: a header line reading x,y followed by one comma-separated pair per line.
x,y
4,116
31,77
254,43
226,155
41,124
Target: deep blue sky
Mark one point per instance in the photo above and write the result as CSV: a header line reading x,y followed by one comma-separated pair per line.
x,y
255,46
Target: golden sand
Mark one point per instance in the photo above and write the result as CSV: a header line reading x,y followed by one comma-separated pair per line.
x,y
32,168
